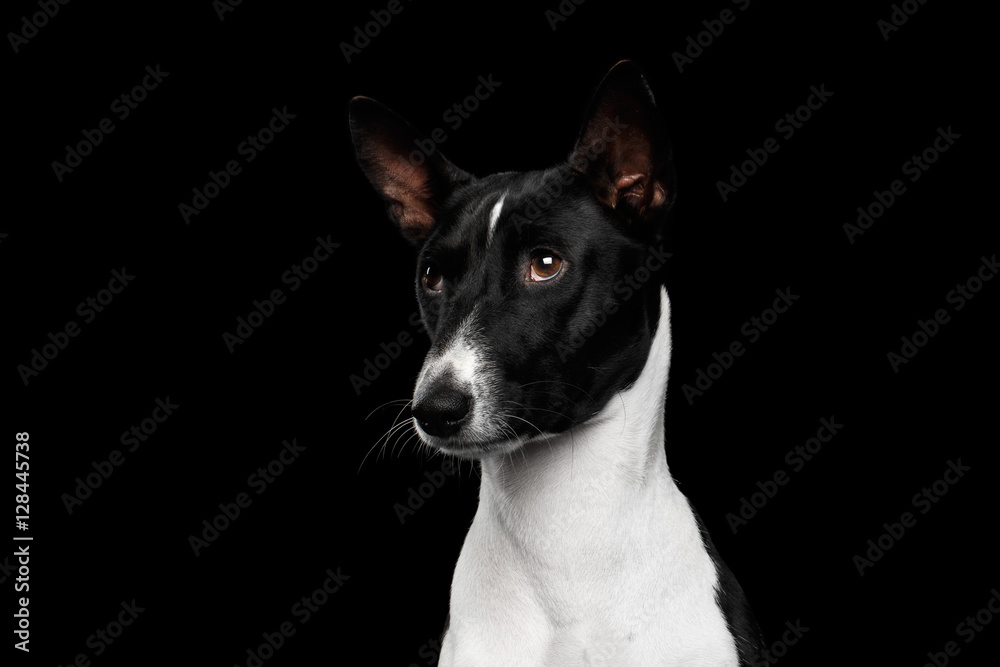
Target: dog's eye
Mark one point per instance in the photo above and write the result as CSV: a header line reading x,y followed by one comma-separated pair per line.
x,y
432,280
545,265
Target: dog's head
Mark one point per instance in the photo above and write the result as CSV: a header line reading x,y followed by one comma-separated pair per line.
x,y
536,288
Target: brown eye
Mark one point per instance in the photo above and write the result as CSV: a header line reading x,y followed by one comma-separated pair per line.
x,y
432,280
545,265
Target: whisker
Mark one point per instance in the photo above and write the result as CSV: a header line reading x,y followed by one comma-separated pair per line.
x,y
396,426
559,397
412,435
555,412
624,413
396,401
395,429
568,384
407,441
526,422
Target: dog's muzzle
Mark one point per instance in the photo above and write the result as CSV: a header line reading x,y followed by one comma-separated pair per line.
x,y
443,410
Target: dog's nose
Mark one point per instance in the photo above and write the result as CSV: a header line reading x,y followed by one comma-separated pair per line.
x,y
442,411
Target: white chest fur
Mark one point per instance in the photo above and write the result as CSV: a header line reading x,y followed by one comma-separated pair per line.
x,y
583,552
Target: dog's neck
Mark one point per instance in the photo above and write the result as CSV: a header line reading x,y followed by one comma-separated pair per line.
x,y
599,481
583,548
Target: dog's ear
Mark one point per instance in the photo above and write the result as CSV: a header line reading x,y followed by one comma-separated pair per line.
x,y
624,150
393,155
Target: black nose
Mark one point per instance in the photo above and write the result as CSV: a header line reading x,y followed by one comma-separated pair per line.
x,y
442,411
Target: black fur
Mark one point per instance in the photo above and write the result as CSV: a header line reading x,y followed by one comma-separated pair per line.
x,y
559,349
562,348
735,607
558,368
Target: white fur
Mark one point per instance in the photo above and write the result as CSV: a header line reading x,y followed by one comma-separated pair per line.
x,y
463,360
584,552
494,216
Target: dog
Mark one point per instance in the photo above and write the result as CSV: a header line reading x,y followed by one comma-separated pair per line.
x,y
550,351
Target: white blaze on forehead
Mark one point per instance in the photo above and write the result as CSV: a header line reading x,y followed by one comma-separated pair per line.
x,y
494,216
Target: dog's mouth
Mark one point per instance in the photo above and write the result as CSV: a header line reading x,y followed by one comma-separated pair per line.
x,y
472,425
468,446
463,418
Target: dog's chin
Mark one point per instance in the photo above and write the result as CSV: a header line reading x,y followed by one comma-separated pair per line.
x,y
465,447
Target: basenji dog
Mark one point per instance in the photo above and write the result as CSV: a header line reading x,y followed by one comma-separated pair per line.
x,y
550,349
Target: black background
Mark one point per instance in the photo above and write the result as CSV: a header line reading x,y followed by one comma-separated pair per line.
x,y
334,508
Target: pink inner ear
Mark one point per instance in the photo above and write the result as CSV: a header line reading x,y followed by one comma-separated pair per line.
x,y
633,188
659,195
415,213
626,180
406,185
